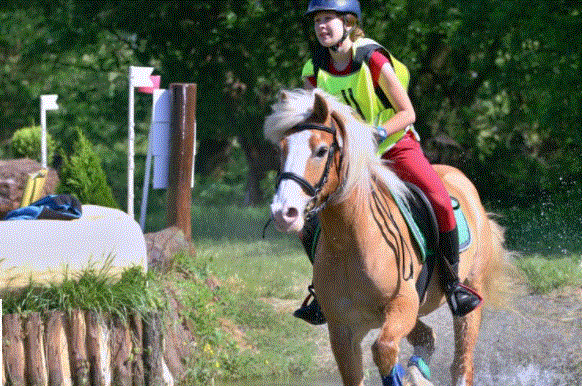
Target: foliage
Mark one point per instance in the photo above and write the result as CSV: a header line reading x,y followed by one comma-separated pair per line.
x,y
26,142
225,187
549,225
500,78
82,175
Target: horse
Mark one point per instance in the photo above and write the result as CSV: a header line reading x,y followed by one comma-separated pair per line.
x,y
366,263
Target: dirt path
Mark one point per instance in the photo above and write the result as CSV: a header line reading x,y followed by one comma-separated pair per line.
x,y
536,340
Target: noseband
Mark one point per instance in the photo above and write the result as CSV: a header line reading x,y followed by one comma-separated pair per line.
x,y
313,190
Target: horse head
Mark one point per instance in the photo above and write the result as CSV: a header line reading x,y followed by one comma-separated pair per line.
x,y
311,156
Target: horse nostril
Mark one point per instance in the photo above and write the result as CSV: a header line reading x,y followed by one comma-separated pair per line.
x,y
291,213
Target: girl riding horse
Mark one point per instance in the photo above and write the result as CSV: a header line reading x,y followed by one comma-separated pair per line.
x,y
364,75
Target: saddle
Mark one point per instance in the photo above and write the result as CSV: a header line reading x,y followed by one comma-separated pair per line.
x,y
422,223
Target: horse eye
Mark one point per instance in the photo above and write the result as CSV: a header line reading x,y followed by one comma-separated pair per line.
x,y
321,152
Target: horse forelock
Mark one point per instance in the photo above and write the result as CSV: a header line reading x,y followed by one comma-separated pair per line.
x,y
292,108
296,106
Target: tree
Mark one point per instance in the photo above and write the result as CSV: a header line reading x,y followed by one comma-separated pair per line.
x,y
498,79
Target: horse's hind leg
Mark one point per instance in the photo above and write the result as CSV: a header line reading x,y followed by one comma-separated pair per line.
x,y
422,340
466,332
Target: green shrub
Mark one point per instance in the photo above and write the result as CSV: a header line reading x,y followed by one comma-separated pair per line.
x,y
26,143
82,175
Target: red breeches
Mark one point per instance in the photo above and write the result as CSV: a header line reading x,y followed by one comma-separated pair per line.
x,y
410,164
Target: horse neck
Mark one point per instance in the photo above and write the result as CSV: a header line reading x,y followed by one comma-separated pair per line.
x,y
348,221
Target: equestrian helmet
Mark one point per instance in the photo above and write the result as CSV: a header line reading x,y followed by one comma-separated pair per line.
x,y
339,6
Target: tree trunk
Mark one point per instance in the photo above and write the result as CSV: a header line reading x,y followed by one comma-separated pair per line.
x,y
261,157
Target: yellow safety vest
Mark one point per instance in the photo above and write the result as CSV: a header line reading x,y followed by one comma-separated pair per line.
x,y
357,88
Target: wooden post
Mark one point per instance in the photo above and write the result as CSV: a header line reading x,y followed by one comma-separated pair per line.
x,y
77,334
13,349
36,373
120,353
136,325
183,142
57,350
153,350
94,348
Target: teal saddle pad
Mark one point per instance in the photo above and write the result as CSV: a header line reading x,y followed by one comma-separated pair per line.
x,y
422,223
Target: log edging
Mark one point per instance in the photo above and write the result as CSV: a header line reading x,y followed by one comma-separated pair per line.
x,y
83,348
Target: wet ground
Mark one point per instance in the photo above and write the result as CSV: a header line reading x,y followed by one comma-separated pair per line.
x,y
533,340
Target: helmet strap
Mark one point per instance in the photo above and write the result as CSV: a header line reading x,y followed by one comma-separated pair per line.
x,y
346,33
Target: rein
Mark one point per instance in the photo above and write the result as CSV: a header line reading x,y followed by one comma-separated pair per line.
x,y
313,190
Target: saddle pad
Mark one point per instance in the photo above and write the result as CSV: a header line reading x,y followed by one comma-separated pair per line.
x,y
424,242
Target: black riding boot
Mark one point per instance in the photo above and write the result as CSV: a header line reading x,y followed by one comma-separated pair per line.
x,y
310,312
461,299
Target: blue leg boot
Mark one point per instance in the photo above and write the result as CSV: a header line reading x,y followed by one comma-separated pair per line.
x,y
395,377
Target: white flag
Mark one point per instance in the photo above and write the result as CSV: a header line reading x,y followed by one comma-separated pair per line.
x,y
140,76
48,102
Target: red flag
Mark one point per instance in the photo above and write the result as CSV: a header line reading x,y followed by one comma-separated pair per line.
x,y
150,90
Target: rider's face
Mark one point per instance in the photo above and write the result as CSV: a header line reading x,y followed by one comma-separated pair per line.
x,y
329,28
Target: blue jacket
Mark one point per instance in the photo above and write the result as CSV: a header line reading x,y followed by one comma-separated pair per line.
x,y
61,207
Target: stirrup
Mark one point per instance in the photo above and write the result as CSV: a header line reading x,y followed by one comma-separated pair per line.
x,y
462,299
311,313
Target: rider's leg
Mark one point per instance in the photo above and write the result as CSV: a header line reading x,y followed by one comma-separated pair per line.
x,y
310,312
410,164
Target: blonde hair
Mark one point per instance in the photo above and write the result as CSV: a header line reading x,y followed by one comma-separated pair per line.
x,y
357,31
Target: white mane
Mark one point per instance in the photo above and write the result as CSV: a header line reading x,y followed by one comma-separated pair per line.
x,y
359,145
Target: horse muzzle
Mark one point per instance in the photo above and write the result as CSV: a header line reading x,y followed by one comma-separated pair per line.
x,y
287,218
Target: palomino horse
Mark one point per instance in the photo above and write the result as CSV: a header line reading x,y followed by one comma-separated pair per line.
x,y
366,264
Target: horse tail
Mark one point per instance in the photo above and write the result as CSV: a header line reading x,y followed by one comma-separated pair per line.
x,y
499,271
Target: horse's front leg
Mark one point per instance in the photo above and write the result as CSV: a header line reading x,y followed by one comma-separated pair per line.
x,y
347,351
401,316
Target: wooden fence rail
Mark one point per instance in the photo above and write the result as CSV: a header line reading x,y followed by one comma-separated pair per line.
x,y
83,348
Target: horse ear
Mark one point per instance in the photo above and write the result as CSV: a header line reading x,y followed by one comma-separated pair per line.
x,y
283,96
341,127
320,109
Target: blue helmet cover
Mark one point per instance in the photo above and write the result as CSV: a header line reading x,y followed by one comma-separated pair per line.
x,y
340,6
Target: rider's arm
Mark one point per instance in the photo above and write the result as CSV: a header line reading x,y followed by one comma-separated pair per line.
x,y
391,86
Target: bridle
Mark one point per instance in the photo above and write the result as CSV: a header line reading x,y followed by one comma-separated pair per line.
x,y
313,190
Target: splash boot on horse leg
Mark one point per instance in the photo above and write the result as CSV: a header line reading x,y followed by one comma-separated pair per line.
x,y
400,320
422,340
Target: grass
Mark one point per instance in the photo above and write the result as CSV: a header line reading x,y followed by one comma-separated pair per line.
x,y
548,273
240,334
92,289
